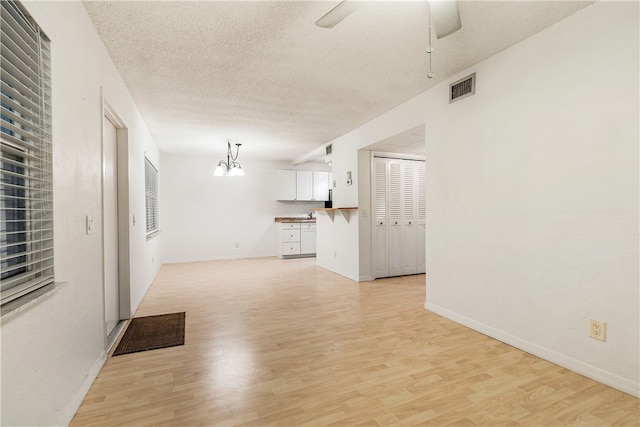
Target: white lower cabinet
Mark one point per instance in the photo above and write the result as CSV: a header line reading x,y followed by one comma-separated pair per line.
x,y
308,239
296,239
291,248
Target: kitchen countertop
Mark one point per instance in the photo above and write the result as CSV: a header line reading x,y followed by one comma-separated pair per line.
x,y
295,219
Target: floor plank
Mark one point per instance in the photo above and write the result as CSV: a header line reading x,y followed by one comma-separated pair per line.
x,y
283,342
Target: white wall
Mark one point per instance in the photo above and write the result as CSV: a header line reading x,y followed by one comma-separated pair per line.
x,y
203,217
337,249
365,268
52,351
533,195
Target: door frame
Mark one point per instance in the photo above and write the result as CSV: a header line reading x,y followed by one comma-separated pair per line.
x,y
124,226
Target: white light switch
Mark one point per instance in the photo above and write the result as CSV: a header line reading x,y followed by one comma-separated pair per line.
x,y
90,226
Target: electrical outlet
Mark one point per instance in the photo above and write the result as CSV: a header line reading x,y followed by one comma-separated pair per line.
x,y
598,330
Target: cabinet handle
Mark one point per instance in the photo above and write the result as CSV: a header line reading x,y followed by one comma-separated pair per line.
x,y
396,223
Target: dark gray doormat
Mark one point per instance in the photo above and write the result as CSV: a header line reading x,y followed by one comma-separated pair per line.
x,y
152,332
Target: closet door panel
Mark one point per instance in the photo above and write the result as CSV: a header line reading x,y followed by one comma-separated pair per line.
x,y
395,199
409,246
381,253
421,187
380,242
421,249
408,217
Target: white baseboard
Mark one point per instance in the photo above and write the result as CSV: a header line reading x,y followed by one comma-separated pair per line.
x,y
219,258
575,365
70,411
366,278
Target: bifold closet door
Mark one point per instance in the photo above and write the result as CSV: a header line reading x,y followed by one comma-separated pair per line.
x,y
398,230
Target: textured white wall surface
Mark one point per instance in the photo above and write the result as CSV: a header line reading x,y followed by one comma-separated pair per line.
x,y
532,195
204,217
52,351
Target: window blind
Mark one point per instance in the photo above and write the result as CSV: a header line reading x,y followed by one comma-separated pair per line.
x,y
26,179
151,196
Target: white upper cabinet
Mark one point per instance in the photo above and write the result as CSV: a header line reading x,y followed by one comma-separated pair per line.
x,y
321,186
286,184
303,186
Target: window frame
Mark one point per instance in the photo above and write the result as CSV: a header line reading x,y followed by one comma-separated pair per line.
x,y
26,164
151,193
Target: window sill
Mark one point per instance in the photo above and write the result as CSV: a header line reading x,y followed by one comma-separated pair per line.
x,y
14,308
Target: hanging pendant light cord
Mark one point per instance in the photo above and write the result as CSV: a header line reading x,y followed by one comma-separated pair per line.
x,y
430,74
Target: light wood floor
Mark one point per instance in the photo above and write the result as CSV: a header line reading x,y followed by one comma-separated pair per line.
x,y
283,342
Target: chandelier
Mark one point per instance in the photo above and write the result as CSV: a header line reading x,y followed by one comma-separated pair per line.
x,y
231,167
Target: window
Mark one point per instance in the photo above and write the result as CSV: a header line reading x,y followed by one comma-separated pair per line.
x,y
26,194
151,197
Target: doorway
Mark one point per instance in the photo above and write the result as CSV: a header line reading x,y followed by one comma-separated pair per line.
x,y
110,218
115,230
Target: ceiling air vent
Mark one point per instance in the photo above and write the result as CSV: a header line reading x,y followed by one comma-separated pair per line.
x,y
462,88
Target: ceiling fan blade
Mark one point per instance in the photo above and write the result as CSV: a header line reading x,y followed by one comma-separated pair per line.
x,y
445,17
338,13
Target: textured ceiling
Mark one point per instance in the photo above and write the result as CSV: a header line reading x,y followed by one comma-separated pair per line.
x,y
262,74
